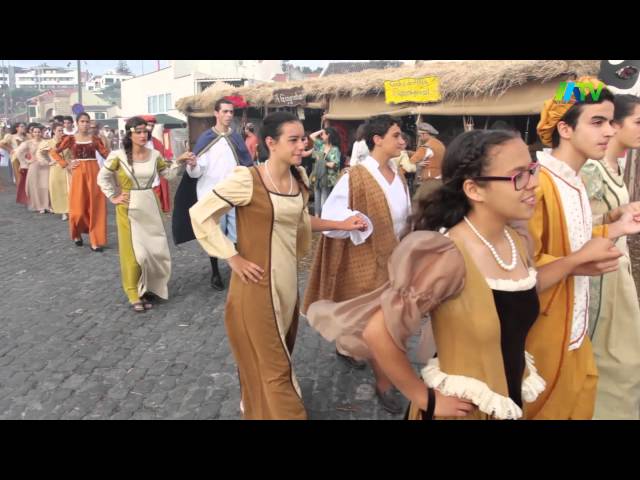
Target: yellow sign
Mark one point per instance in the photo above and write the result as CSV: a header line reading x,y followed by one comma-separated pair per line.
x,y
417,90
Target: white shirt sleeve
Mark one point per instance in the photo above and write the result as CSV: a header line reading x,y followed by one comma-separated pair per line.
x,y
354,155
201,167
337,208
428,153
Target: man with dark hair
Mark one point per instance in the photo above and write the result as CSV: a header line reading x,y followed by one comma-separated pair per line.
x,y
218,150
69,127
563,234
349,264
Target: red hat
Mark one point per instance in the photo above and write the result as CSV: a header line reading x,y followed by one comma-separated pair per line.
x,y
149,118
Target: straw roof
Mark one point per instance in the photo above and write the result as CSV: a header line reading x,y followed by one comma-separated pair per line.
x,y
457,80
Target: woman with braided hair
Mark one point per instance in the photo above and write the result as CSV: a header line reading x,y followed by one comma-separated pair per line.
x,y
126,178
477,281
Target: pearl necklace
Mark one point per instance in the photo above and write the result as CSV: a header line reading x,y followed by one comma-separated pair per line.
x,y
503,265
266,167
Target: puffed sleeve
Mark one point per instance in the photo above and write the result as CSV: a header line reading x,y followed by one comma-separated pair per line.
x,y
107,175
595,185
234,191
166,169
425,269
6,142
43,151
100,147
22,154
64,144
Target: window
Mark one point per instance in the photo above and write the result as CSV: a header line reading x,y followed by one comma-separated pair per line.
x,y
159,103
101,115
32,111
108,81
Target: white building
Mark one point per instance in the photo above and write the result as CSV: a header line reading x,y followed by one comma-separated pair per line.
x,y
157,92
44,77
100,82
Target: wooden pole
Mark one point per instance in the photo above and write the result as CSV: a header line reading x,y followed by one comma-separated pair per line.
x,y
79,84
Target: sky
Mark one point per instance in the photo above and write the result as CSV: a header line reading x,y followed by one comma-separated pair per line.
x,y
138,67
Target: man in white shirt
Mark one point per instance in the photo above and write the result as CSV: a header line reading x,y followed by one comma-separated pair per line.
x,y
218,151
380,195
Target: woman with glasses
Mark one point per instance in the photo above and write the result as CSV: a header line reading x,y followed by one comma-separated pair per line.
x,y
614,313
126,178
87,206
466,267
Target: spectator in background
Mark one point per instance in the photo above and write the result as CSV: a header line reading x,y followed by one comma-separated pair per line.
x,y
94,130
251,140
327,166
403,162
360,151
307,155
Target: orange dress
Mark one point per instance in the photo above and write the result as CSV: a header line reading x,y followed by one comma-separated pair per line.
x,y
87,204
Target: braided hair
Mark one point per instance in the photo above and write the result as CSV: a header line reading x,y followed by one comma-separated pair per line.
x,y
127,143
466,157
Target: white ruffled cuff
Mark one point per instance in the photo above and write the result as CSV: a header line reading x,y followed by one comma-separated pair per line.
x,y
489,402
534,384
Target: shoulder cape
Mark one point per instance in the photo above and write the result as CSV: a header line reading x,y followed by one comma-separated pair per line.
x,y
186,194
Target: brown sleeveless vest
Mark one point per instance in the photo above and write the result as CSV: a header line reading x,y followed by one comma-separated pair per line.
x,y
342,270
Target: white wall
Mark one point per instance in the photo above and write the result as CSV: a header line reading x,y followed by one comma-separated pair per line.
x,y
263,70
136,91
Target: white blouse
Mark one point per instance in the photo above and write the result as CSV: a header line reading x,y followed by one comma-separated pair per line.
x,y
398,200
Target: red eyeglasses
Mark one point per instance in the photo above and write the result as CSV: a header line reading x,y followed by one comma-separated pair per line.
x,y
520,180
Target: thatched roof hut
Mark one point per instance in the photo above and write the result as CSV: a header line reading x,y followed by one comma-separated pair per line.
x,y
509,87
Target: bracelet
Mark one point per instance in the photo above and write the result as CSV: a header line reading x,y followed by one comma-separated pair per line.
x,y
431,406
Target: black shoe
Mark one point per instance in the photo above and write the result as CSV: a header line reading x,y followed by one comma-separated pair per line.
x,y
216,282
391,401
78,243
216,279
357,364
97,249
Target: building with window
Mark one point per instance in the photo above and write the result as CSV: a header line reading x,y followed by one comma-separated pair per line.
x,y
100,82
59,102
156,92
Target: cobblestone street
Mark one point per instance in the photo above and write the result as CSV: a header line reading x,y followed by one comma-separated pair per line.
x,y
71,347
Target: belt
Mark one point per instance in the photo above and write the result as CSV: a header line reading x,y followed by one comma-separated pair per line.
x,y
85,159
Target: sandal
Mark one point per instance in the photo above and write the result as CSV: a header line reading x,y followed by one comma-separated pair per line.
x,y
138,307
147,305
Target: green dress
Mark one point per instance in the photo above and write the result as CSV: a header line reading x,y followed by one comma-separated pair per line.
x,y
614,313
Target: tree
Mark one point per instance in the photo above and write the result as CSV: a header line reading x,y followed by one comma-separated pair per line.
x,y
123,68
17,97
111,94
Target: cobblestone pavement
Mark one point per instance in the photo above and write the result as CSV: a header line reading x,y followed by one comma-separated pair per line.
x,y
71,348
